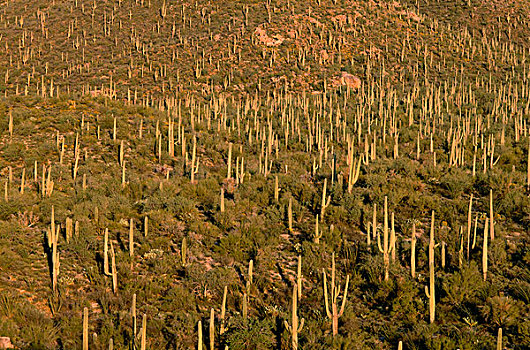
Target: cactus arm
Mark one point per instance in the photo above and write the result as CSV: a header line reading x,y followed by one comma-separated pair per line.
x,y
301,325
357,171
299,277
392,242
326,293
345,296
199,331
223,311
379,243
336,294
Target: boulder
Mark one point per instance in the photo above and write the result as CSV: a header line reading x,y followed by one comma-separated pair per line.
x,y
351,81
267,40
5,343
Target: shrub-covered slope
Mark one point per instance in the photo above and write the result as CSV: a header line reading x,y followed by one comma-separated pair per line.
x,y
154,153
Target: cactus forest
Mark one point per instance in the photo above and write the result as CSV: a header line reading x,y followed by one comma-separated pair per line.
x,y
265,174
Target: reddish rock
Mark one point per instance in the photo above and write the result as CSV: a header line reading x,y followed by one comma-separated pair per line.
x,y
350,80
346,79
5,343
342,19
266,40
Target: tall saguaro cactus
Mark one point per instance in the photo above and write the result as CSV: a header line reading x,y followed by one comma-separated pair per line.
x,y
199,331
429,291
55,262
413,252
143,339
469,224
290,214
85,328
299,277
229,167
499,339
131,238
295,327
388,247
325,201
353,172
334,313
528,167
114,270
485,252
211,329
492,230
106,269
223,312
318,233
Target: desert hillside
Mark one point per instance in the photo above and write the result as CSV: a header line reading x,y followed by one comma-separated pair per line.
x,y
265,174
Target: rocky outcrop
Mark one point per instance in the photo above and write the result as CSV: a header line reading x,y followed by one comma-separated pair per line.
x,y
5,343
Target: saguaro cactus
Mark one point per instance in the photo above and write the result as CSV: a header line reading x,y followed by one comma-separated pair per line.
x,y
85,328
133,315
276,189
212,329
485,252
469,224
413,251
334,313
492,230
52,228
106,269
290,215
183,252
429,291
194,161
250,275
245,306
143,339
69,229
229,167
294,328
318,234
123,182
223,312
222,200
114,270
199,330
528,167
114,130
353,173
121,153
22,181
443,251
325,202
10,124
55,261
388,247
392,238
374,221
131,238
299,277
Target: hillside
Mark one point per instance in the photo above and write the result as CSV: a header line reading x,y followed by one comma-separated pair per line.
x,y
165,161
